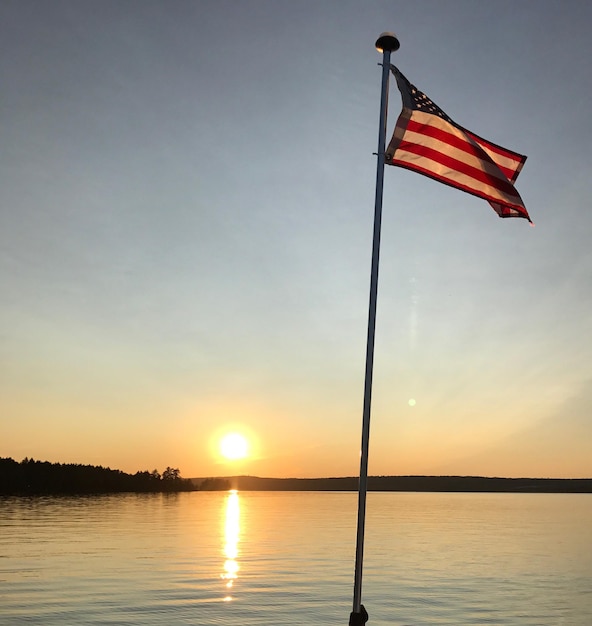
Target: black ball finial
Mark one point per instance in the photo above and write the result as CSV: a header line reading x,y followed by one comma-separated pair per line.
x,y
387,41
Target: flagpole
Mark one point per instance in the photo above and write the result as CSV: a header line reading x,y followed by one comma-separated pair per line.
x,y
386,43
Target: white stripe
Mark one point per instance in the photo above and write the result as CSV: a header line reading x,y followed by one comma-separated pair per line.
x,y
460,155
510,163
437,122
453,176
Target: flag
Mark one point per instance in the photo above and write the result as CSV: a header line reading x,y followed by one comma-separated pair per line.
x,y
427,141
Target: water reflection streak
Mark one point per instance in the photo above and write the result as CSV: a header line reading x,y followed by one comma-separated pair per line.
x,y
231,539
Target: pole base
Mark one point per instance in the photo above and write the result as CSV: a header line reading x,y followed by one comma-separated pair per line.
x,y
358,619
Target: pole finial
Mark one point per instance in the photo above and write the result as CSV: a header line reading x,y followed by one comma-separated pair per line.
x,y
387,41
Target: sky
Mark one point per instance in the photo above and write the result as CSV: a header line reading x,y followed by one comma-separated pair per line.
x,y
186,209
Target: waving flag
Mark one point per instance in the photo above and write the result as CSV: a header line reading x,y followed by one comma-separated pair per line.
x,y
427,141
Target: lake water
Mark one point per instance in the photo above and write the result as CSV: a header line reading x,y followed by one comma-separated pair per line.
x,y
278,558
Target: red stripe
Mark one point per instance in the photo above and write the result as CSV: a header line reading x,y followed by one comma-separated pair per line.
x,y
466,145
502,185
507,211
510,154
519,159
457,185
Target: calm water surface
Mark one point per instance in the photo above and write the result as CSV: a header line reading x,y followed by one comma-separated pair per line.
x,y
287,558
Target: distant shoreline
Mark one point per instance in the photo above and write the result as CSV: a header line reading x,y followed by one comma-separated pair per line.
x,y
31,477
469,484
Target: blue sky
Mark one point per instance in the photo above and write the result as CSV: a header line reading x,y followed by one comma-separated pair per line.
x,y
186,205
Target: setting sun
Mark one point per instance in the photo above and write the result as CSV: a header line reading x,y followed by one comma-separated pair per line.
x,y
234,446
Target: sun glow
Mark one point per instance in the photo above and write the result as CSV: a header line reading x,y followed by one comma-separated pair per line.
x,y
234,446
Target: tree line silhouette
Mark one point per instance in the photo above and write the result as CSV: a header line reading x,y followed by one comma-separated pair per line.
x,y
30,477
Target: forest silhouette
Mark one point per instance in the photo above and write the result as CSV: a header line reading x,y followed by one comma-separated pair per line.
x,y
31,477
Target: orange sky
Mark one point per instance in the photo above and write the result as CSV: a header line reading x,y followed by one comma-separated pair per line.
x,y
186,233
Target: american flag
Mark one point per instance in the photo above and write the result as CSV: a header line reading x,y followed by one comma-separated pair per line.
x,y
427,141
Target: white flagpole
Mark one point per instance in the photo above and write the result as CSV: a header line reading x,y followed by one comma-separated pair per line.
x,y
386,43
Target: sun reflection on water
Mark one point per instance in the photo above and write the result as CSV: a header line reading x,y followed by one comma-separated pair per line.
x,y
231,538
